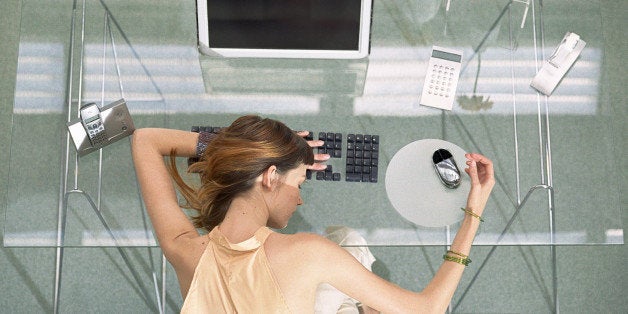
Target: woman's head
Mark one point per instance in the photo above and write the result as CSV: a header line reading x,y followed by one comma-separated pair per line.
x,y
236,158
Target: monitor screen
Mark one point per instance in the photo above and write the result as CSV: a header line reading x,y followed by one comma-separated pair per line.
x,y
327,29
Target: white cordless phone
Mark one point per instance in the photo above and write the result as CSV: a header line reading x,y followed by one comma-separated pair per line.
x,y
555,68
441,79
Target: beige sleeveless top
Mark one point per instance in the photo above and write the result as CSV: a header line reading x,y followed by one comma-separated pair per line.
x,y
234,278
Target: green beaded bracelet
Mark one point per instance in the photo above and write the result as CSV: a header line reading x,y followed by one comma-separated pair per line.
x,y
461,261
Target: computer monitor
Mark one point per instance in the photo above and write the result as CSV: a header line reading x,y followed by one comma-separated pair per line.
x,y
324,29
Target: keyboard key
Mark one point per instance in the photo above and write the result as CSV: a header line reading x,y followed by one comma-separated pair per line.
x,y
320,175
351,138
328,176
353,177
373,177
336,176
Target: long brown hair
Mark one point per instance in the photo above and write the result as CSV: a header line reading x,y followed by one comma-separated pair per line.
x,y
234,159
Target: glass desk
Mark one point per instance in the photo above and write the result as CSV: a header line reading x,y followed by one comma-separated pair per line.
x,y
532,139
102,51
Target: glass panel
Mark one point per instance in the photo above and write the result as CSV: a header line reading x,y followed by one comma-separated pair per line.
x,y
148,56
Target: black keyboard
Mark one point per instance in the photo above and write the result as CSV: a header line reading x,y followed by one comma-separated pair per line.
x,y
361,156
361,153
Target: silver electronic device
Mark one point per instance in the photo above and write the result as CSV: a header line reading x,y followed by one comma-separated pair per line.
x,y
441,79
99,127
90,117
557,65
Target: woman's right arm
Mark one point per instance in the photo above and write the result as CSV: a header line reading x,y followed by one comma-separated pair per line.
x,y
149,146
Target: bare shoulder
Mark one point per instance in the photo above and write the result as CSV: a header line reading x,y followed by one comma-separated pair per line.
x,y
301,256
299,243
302,249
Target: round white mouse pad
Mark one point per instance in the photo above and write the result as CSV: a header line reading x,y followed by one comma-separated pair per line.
x,y
416,192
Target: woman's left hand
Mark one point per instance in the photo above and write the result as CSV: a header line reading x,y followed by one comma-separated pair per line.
x,y
480,170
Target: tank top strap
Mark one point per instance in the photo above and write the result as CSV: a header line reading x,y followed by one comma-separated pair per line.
x,y
262,234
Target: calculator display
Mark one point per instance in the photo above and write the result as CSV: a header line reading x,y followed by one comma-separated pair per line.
x,y
447,56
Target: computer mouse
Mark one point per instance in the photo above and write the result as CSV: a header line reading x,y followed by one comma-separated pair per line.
x,y
446,168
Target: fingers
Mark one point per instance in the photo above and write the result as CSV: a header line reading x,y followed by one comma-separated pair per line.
x,y
484,162
316,143
312,143
319,162
480,169
319,159
303,133
480,159
472,171
317,167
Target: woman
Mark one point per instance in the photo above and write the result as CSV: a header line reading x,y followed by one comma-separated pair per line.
x,y
250,178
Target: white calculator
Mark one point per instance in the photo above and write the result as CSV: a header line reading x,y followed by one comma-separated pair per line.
x,y
441,79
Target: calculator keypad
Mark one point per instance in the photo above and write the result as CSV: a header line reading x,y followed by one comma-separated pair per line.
x,y
441,78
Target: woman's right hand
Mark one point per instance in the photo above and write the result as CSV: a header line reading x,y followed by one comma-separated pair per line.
x,y
319,159
480,170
